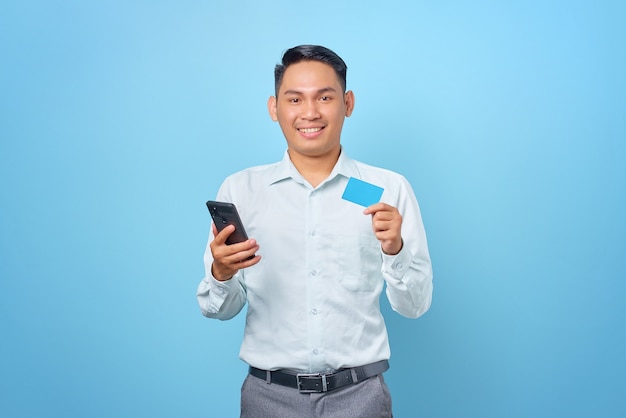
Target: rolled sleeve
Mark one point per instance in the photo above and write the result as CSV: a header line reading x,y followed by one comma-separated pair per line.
x,y
221,300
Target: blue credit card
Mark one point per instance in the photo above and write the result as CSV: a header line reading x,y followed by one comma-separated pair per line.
x,y
361,192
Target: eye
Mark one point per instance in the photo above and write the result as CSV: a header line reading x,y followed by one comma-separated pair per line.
x,y
294,100
325,99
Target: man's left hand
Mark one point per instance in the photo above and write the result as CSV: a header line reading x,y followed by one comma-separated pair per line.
x,y
387,225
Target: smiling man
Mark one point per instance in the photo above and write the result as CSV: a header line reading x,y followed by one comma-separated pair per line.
x,y
315,339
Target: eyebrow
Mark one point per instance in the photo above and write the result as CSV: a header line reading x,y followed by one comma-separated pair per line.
x,y
320,91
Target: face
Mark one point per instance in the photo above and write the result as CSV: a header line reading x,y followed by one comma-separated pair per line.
x,y
310,108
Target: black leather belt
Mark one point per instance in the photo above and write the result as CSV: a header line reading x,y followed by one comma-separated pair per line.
x,y
321,382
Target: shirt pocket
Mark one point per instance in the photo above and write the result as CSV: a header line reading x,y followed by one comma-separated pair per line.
x,y
358,262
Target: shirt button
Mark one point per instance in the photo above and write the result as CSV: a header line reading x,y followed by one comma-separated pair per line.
x,y
311,233
313,272
399,266
315,352
314,311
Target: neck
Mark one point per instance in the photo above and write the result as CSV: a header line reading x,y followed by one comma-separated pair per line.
x,y
315,169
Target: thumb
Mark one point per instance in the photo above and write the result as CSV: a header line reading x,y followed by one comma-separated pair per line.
x,y
221,236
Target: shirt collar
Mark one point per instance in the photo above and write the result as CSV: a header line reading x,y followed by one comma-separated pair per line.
x,y
285,169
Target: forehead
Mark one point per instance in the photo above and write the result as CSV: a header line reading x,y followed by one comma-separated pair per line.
x,y
309,76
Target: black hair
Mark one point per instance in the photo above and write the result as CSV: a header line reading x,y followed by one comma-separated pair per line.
x,y
310,53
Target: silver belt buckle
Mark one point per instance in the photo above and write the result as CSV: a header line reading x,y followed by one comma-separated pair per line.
x,y
304,390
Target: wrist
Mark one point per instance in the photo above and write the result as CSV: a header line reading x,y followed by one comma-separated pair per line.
x,y
393,248
217,275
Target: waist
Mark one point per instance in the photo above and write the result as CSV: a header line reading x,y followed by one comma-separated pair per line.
x,y
320,382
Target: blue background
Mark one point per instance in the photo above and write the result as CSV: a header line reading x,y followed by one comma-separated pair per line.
x,y
119,119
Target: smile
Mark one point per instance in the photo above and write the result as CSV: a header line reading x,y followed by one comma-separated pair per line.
x,y
309,130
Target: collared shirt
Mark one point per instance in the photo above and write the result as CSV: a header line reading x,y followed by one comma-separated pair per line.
x,y
313,299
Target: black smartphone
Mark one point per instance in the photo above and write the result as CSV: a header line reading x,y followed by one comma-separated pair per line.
x,y
225,214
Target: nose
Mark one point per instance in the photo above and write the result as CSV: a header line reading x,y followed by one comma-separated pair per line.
x,y
310,110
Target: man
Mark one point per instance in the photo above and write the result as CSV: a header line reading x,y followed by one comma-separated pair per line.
x,y
315,338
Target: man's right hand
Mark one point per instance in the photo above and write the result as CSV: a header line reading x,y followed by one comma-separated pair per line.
x,y
228,259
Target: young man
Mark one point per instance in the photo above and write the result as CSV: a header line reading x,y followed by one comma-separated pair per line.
x,y
315,338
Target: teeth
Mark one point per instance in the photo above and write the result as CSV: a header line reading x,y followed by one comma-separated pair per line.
x,y
309,130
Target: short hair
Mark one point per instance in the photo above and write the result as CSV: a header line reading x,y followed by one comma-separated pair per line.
x,y
310,53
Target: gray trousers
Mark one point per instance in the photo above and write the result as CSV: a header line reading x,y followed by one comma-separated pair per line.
x,y
367,399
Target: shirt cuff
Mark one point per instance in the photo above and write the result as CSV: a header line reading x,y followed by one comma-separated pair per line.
x,y
397,265
217,291
220,287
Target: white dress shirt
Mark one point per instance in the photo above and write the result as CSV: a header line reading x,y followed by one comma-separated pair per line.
x,y
313,299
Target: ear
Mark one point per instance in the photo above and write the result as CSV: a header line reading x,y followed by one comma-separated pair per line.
x,y
271,108
349,99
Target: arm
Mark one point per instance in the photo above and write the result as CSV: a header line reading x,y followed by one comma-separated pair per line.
x,y
406,263
222,292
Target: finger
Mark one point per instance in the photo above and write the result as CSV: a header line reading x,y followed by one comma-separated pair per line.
x,y
234,254
246,248
242,259
383,215
222,236
392,222
383,226
248,262
375,208
385,234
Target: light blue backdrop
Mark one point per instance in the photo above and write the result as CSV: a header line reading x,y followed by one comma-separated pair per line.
x,y
119,119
